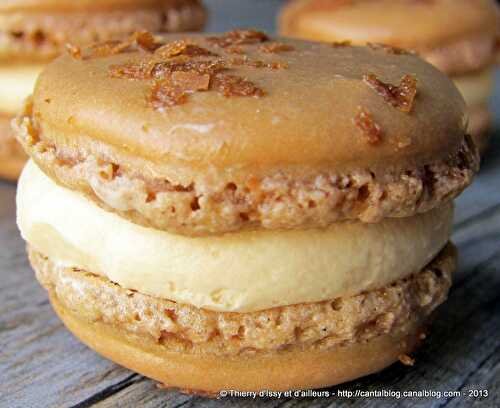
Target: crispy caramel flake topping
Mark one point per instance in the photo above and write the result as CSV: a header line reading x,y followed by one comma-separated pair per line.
x,y
238,37
106,49
141,40
180,68
175,90
191,81
144,40
401,96
389,49
210,67
177,48
165,94
371,130
152,69
231,85
74,51
339,44
275,48
139,71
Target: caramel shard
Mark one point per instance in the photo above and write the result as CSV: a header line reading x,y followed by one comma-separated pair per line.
x,y
371,130
174,90
182,47
406,360
139,71
401,96
238,37
389,49
151,69
163,69
165,94
339,44
140,40
191,81
275,48
231,85
74,51
105,49
144,40
174,74
172,49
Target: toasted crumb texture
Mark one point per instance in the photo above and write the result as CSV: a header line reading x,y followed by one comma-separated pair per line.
x,y
279,200
45,35
187,329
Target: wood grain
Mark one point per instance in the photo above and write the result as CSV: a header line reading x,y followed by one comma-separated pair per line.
x,y
43,365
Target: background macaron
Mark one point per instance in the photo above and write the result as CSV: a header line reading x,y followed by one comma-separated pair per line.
x,y
465,49
34,32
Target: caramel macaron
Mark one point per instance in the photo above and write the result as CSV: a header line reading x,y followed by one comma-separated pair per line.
x,y
465,49
235,211
34,32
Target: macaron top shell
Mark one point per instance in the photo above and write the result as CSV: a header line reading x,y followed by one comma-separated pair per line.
x,y
207,134
304,106
405,23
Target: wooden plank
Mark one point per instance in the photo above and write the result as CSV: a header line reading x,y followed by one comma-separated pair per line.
x,y
487,377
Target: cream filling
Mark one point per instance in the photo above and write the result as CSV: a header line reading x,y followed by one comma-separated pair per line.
x,y
238,272
476,88
16,84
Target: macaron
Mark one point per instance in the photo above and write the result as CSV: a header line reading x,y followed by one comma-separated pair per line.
x,y
237,211
465,49
34,32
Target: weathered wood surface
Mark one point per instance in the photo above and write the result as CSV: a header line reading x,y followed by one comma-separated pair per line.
x,y
43,365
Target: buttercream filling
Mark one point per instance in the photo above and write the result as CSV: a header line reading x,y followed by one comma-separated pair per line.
x,y
239,272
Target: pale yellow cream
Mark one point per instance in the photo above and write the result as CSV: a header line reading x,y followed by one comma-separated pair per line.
x,y
240,272
476,88
16,84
